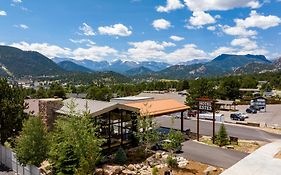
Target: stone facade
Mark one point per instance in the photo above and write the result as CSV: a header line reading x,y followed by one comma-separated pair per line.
x,y
47,108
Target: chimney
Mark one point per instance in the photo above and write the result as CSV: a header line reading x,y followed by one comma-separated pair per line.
x,y
47,108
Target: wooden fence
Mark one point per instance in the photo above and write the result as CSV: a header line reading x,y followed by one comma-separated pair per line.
x,y
8,158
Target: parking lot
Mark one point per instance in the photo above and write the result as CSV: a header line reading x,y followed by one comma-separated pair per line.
x,y
272,116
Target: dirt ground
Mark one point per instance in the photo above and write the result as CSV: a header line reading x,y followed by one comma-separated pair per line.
x,y
247,146
192,168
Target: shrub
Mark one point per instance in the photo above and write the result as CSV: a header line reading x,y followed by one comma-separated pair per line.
x,y
171,162
154,170
222,137
120,156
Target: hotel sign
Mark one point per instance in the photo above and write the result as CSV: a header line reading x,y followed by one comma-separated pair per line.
x,y
205,105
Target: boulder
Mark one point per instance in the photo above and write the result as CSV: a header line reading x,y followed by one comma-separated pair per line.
x,y
128,172
131,167
112,170
209,170
99,171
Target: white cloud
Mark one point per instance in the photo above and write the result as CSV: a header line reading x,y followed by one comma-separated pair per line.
x,y
207,5
171,5
116,29
222,50
147,50
200,18
22,26
259,21
92,52
81,41
87,30
176,38
188,52
238,31
161,24
44,48
245,43
97,53
211,28
17,1
3,13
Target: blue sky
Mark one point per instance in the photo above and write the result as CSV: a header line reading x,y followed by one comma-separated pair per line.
x,y
162,30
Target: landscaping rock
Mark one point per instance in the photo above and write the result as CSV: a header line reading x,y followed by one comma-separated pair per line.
x,y
128,172
99,171
209,170
112,170
131,167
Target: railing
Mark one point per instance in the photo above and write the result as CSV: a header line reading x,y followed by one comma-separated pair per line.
x,y
8,158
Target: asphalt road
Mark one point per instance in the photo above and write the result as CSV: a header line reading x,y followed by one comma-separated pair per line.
x,y
211,155
242,132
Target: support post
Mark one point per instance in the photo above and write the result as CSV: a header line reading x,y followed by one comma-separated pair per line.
x,y
181,121
121,127
198,122
214,120
109,132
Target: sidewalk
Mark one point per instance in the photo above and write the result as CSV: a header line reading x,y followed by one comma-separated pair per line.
x,y
260,162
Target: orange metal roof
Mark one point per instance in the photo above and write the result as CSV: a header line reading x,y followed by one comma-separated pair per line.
x,y
158,107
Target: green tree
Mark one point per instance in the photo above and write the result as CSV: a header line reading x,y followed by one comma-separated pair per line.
x,y
56,90
221,136
176,138
41,93
11,110
249,82
146,132
199,88
75,145
32,145
229,88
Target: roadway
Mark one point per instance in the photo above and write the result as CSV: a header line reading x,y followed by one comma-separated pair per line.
x,y
242,132
216,156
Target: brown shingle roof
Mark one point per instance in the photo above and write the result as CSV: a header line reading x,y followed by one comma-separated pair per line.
x,y
158,107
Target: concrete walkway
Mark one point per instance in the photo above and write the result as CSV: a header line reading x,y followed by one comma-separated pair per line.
x,y
260,162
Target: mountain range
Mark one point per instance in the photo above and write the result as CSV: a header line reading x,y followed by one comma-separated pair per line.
x,y
18,63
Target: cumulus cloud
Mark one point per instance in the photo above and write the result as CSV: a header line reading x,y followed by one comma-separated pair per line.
x,y
200,18
176,38
171,5
3,13
97,53
17,1
116,30
207,5
148,49
259,21
211,28
44,48
238,31
81,41
92,52
22,26
87,30
161,24
240,46
245,43
188,52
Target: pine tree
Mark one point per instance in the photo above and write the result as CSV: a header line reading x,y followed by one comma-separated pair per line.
x,y
32,145
222,137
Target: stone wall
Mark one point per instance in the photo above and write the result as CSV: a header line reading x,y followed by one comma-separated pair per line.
x,y
47,108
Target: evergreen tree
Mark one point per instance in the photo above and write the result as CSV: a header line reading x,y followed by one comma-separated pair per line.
x,y
221,136
32,145
11,110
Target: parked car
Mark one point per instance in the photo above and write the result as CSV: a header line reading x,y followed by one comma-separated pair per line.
x,y
237,116
244,115
251,110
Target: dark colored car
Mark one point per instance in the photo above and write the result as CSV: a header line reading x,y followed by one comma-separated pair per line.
x,y
251,110
237,117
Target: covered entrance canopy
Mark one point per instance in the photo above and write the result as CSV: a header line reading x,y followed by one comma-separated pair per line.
x,y
157,108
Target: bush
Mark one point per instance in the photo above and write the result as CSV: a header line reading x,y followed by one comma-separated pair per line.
x,y
171,162
222,137
120,156
154,171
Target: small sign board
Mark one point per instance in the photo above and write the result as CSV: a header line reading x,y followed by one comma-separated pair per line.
x,y
205,105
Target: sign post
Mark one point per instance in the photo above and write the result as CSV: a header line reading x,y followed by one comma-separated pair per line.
x,y
206,104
